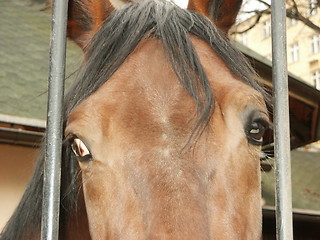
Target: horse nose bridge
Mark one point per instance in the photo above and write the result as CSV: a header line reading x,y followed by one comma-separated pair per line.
x,y
177,206
180,221
190,230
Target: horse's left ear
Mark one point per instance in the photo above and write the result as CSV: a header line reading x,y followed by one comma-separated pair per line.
x,y
222,12
86,16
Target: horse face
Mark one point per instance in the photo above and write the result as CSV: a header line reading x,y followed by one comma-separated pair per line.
x,y
145,178
145,174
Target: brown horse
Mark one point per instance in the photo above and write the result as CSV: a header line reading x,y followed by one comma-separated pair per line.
x,y
165,121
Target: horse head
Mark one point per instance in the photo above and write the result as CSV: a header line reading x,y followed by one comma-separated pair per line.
x,y
163,128
168,144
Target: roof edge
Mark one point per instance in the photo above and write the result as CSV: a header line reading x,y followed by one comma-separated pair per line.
x,y
253,54
30,122
296,211
293,80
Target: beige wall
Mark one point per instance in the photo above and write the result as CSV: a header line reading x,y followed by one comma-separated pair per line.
x,y
16,167
297,33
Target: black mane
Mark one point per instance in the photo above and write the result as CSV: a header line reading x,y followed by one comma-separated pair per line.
x,y
117,38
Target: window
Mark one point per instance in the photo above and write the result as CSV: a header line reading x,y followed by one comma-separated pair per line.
x,y
292,21
312,8
269,57
267,29
315,44
294,53
244,38
315,77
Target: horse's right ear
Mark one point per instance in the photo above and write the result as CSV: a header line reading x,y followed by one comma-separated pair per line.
x,y
86,16
222,12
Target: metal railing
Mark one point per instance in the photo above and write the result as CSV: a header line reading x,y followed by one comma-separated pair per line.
x,y
284,228
52,171
52,168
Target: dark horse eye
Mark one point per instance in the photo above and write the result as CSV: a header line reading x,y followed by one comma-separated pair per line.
x,y
256,130
80,150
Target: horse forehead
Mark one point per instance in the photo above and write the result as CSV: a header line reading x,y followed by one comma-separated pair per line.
x,y
228,89
147,75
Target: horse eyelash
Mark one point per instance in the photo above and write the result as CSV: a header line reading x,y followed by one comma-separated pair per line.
x,y
69,139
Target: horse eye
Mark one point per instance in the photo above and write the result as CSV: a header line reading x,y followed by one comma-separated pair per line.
x,y
256,131
80,150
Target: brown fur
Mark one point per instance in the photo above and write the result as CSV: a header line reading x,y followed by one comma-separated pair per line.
x,y
86,16
141,184
222,12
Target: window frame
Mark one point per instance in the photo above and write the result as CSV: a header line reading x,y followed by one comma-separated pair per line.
x,y
267,28
294,52
315,43
312,7
315,78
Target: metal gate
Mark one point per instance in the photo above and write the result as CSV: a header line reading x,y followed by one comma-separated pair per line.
x,y
52,171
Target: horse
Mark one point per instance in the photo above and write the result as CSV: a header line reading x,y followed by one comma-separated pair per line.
x,y
163,128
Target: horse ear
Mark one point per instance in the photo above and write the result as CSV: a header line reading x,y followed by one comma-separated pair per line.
x,y
222,12
86,16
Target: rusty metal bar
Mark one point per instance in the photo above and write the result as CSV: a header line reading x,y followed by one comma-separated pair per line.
x,y
281,122
52,168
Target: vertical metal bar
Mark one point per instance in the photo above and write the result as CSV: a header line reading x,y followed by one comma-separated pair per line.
x,y
281,121
52,168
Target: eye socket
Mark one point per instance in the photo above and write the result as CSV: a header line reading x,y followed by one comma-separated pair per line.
x,y
80,150
255,131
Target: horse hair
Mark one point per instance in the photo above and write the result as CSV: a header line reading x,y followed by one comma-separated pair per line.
x,y
117,38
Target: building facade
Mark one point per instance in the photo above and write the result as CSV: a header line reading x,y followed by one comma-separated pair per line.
x,y
303,43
